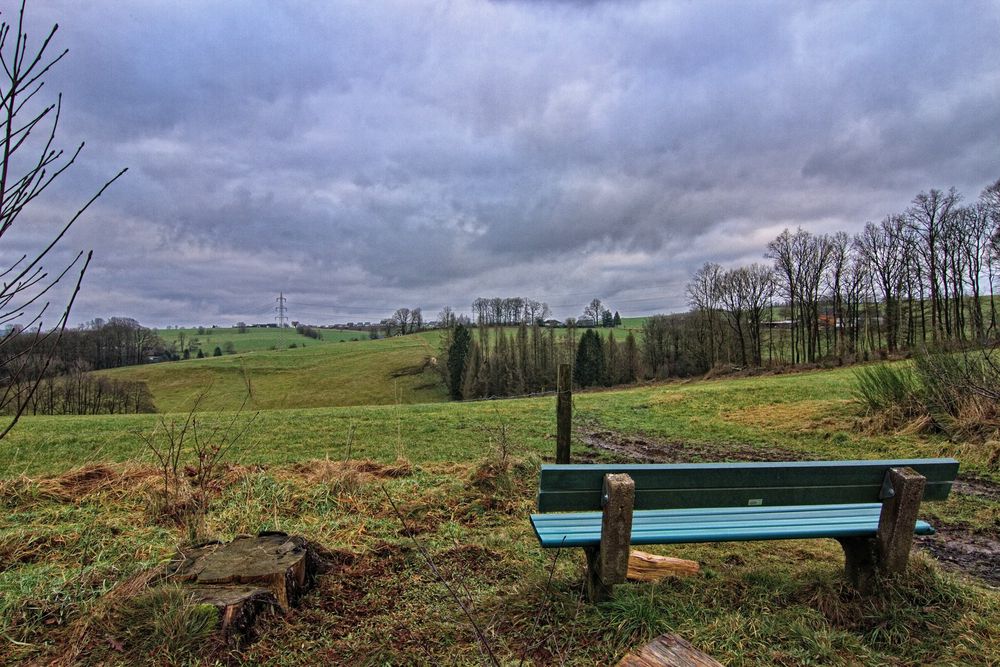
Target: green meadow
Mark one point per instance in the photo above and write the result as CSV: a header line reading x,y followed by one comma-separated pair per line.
x,y
253,339
320,374
463,476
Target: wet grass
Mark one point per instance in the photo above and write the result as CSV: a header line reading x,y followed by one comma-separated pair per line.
x,y
67,540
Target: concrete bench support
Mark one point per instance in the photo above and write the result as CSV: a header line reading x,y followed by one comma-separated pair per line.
x,y
607,564
887,553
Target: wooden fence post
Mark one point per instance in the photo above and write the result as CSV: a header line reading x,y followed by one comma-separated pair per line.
x,y
564,413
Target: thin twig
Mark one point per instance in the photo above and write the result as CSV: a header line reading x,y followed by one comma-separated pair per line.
x,y
485,645
548,602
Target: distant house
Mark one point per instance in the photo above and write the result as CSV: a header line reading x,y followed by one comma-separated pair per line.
x,y
552,323
586,322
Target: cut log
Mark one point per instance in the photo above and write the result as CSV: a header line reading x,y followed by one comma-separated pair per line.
x,y
643,566
668,651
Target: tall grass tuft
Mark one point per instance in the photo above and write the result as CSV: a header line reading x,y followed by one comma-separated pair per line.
x,y
889,390
168,622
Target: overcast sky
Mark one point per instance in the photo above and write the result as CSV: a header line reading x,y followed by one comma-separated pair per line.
x,y
362,156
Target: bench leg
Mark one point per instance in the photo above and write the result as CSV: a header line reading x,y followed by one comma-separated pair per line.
x,y
898,519
597,591
607,564
888,552
860,562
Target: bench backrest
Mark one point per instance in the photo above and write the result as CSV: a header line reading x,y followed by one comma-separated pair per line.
x,y
577,488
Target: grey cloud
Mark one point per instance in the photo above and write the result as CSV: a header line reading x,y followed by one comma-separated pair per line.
x,y
362,156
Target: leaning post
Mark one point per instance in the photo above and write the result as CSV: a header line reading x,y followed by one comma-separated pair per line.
x,y
564,413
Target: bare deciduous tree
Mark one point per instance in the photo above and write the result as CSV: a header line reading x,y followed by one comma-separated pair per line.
x,y
30,162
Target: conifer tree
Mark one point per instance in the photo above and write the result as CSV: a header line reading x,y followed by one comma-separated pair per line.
x,y
589,367
457,353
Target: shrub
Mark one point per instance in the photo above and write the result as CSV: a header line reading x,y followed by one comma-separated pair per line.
x,y
942,391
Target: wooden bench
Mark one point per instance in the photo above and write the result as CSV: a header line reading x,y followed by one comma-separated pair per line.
x,y
870,507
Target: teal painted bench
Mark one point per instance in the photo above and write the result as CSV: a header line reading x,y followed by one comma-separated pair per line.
x,y
870,507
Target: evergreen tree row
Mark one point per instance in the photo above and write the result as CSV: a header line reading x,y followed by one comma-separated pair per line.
x,y
495,363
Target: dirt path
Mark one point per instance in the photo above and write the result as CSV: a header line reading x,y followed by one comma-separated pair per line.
x,y
955,547
637,448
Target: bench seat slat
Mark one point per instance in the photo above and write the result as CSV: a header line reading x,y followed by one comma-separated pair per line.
x,y
700,515
718,525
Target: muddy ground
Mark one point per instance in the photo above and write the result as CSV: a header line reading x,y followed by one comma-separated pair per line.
x,y
956,547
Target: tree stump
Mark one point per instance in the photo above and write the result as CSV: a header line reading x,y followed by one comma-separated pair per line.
x,y
668,651
249,576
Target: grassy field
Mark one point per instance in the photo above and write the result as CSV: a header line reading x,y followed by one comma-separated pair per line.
x,y
254,339
320,374
67,544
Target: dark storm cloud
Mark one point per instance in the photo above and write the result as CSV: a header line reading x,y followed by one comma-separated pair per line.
x,y
362,156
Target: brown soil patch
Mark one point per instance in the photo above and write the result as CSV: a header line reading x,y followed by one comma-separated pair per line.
x,y
972,485
637,448
466,559
358,587
957,548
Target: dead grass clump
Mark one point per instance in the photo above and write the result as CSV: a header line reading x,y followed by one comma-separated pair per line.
x,y
21,548
21,491
96,478
76,484
166,622
794,416
80,638
502,484
401,467
346,478
174,508
234,472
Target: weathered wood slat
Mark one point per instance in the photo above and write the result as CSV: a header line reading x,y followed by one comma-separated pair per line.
x,y
652,567
669,651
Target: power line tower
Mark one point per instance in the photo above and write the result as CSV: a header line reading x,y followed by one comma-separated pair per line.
x,y
282,318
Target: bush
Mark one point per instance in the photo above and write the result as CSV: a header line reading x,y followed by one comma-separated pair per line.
x,y
942,391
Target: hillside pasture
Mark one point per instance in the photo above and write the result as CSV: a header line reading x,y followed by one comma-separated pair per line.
x,y
366,372
253,339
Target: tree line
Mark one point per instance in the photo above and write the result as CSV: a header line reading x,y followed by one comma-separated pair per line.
x,y
78,393
925,276
96,345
